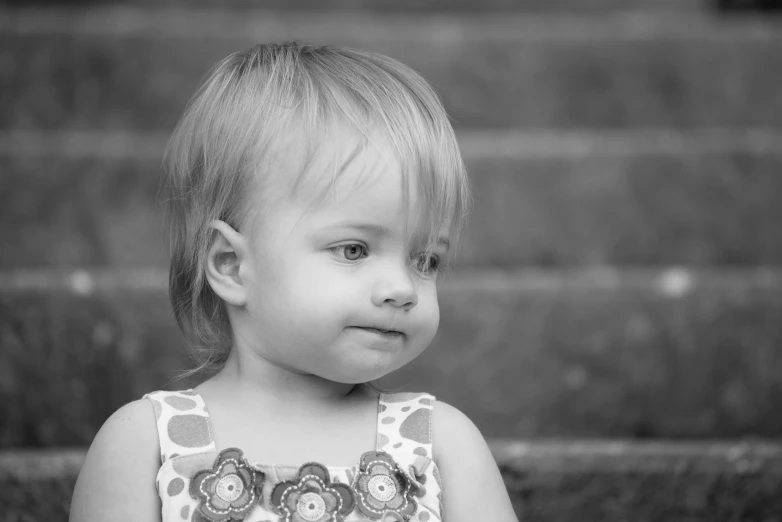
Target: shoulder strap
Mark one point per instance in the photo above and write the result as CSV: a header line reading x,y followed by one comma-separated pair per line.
x,y
183,425
404,423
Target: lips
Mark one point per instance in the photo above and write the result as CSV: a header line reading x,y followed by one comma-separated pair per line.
x,y
379,331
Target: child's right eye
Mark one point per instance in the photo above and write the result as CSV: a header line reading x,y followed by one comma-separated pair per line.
x,y
351,252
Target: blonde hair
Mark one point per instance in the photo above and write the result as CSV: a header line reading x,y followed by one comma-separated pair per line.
x,y
231,134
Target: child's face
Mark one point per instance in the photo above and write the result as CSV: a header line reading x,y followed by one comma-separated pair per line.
x,y
329,279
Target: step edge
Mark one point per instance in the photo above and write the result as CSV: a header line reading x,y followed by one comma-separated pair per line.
x,y
575,456
672,281
475,144
440,28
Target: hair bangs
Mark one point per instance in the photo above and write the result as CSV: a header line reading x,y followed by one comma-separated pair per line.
x,y
374,100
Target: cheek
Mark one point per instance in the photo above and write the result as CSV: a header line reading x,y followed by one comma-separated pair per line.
x,y
429,311
279,294
320,293
436,317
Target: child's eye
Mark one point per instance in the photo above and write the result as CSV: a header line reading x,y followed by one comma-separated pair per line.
x,y
351,252
428,264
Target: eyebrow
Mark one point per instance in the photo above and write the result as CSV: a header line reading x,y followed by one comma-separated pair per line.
x,y
379,230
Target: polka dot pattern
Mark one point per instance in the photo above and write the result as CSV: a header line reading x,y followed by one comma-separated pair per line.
x,y
180,403
185,448
175,487
411,425
410,443
416,426
382,440
423,516
189,431
181,433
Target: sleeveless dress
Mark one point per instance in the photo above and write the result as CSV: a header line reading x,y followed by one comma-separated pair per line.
x,y
196,483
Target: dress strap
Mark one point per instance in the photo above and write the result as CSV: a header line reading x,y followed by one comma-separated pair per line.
x,y
183,425
404,423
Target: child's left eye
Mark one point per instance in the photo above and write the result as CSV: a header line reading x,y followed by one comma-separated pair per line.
x,y
351,252
427,264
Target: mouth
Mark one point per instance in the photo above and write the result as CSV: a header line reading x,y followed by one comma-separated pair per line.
x,y
388,334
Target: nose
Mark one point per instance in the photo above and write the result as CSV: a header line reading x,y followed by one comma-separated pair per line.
x,y
395,287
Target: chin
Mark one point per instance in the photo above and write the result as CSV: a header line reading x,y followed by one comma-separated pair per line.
x,y
356,374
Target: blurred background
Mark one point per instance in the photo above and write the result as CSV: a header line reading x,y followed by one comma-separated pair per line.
x,y
620,278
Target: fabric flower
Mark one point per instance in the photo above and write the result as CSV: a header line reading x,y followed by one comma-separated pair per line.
x,y
416,474
312,497
382,487
229,490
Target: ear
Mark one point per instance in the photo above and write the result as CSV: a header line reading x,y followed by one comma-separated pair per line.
x,y
224,261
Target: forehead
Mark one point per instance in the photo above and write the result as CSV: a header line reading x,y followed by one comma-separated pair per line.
x,y
343,176
359,179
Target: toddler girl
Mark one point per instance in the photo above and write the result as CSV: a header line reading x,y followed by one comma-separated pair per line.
x,y
314,194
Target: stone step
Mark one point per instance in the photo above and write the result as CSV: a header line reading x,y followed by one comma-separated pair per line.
x,y
429,6
112,67
544,199
670,354
548,481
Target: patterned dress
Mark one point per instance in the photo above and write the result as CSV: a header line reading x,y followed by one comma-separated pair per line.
x,y
397,478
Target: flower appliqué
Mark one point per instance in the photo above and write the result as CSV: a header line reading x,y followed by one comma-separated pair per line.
x,y
312,497
382,487
229,490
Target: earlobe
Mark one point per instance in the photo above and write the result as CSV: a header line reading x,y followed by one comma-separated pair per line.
x,y
224,263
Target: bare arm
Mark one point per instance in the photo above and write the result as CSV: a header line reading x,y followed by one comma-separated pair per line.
x,y
473,488
117,481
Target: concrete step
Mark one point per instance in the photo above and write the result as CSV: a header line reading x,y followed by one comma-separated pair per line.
x,y
112,67
671,354
548,481
425,6
546,199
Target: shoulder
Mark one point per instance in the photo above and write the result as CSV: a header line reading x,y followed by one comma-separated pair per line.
x,y
132,428
119,471
473,488
452,431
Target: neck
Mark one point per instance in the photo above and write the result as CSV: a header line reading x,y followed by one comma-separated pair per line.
x,y
250,373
